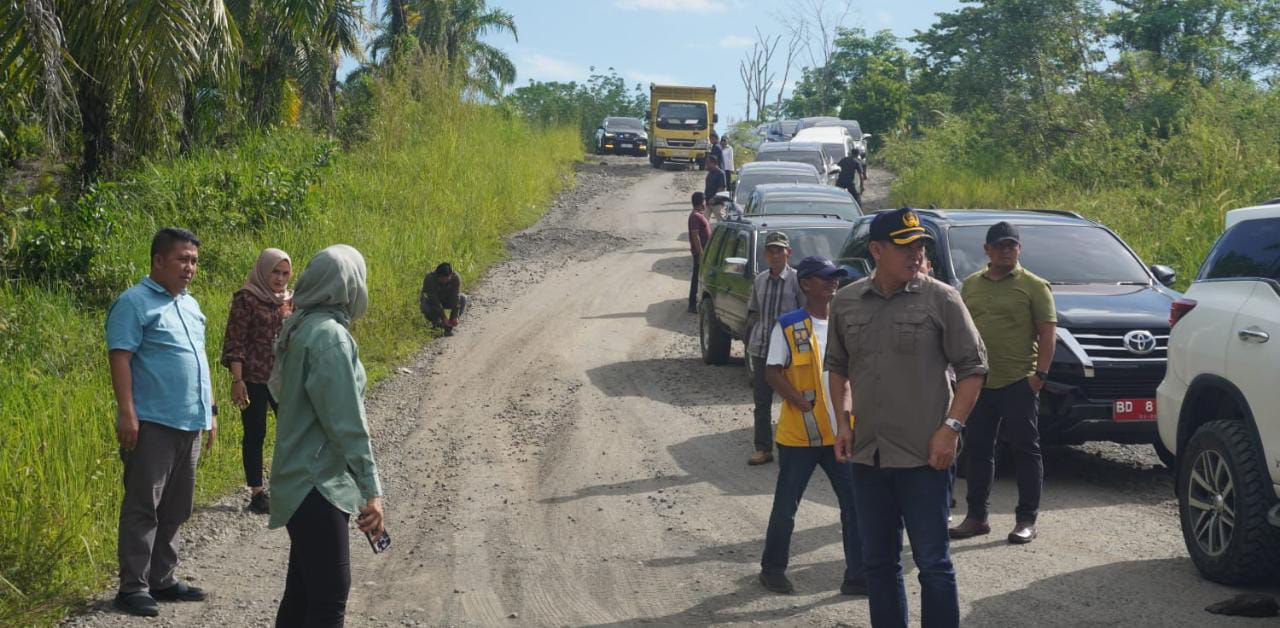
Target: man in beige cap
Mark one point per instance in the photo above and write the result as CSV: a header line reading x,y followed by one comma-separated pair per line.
x,y
774,292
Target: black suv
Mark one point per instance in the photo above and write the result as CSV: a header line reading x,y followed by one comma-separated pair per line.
x,y
1113,315
731,260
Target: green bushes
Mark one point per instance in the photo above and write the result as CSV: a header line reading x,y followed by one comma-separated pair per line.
x,y
1163,188
435,180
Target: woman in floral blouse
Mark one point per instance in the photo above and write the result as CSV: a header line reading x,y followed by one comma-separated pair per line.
x,y
257,312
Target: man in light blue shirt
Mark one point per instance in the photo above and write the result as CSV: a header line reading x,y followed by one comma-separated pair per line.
x,y
160,375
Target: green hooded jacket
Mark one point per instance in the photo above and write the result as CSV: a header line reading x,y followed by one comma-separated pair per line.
x,y
322,436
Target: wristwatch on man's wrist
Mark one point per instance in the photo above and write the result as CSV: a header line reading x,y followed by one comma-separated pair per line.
x,y
954,425
1042,376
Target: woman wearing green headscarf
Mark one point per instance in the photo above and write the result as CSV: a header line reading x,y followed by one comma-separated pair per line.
x,y
323,468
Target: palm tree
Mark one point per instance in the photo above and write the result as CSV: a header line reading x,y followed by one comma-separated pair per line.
x,y
453,28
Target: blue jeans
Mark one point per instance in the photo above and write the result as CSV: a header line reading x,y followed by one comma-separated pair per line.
x,y
888,499
795,467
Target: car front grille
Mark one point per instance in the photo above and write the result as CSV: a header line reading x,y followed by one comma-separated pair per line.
x,y
681,143
1112,384
1109,345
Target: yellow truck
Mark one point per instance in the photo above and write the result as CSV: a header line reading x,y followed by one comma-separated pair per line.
x,y
680,123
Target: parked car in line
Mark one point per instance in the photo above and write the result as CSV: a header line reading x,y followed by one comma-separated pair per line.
x,y
855,131
762,172
813,121
1113,325
835,140
803,152
1219,403
622,136
802,199
731,260
781,130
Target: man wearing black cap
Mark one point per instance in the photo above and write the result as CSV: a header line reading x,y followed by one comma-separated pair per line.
x,y
440,292
807,429
774,292
1014,311
893,336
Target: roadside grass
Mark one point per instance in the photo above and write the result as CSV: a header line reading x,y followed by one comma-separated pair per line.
x,y
1166,196
437,179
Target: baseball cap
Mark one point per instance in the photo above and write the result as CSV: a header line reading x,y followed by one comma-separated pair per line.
x,y
1002,231
818,266
777,238
900,226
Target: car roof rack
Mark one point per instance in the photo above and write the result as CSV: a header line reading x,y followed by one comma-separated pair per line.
x,y
1274,201
806,215
1059,212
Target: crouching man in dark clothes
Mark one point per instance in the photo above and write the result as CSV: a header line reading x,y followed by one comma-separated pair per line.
x,y
441,301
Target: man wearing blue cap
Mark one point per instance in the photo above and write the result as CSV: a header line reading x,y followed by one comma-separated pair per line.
x,y
893,336
807,428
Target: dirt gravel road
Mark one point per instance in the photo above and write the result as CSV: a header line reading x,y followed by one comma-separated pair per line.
x,y
566,459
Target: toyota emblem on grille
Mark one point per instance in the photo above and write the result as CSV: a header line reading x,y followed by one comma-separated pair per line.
x,y
1140,342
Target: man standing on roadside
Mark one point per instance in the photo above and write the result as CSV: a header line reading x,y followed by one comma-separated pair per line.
x,y
851,167
807,429
715,152
715,181
1014,311
441,299
726,160
160,376
893,335
774,292
699,234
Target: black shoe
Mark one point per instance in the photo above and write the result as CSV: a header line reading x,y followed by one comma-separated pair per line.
x,y
181,592
448,331
260,503
138,603
854,586
778,583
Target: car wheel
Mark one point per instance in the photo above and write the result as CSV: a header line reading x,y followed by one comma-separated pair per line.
x,y
712,338
1224,492
1166,457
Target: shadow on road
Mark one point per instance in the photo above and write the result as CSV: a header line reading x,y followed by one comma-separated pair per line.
x,y
680,382
1161,592
670,315
676,267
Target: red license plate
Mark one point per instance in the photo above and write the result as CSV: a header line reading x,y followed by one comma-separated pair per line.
x,y
1134,410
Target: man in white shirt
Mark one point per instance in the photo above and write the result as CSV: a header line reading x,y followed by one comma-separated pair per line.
x,y
727,164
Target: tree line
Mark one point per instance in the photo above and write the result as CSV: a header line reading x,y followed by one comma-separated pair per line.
x,y
100,83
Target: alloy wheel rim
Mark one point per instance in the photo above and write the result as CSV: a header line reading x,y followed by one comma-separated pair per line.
x,y
1211,499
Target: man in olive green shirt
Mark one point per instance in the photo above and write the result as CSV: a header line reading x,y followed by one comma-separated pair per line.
x,y
1015,314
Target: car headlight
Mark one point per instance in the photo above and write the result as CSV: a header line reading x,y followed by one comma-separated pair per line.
x,y
610,135
660,142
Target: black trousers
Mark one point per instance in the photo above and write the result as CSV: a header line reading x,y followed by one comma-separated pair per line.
x,y
693,286
319,580
1019,407
762,394
437,314
255,431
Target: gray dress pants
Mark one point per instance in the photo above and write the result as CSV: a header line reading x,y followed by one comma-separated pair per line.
x,y
159,483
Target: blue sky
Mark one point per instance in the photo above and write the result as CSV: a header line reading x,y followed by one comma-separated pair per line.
x,y
693,42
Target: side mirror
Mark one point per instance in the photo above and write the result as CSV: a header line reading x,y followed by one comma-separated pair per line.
x,y
866,136
1165,275
834,170
857,268
735,265
715,117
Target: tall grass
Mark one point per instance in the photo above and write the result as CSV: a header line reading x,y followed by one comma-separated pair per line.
x,y
1164,193
439,179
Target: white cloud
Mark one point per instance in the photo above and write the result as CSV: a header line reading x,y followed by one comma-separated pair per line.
x,y
540,67
736,41
683,6
885,17
647,77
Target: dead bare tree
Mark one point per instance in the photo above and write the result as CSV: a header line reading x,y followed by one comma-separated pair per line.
x,y
794,44
757,72
817,24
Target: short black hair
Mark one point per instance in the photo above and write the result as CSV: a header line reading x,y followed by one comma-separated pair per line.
x,y
445,269
165,238
698,199
713,158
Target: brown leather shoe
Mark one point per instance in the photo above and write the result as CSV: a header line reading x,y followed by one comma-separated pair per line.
x,y
1023,533
760,457
969,528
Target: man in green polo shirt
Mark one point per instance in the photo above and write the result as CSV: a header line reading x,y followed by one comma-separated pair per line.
x,y
1013,310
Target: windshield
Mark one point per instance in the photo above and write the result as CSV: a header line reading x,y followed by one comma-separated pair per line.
x,y
813,158
687,116
788,127
806,241
1060,254
747,183
834,151
845,210
623,124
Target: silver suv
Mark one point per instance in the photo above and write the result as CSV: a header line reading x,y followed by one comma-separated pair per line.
x,y
1219,404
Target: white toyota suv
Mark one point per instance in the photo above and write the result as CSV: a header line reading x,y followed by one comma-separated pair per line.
x,y
1219,403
